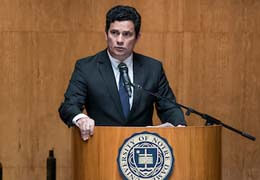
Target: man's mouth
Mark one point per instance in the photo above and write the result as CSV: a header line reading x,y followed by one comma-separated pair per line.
x,y
120,48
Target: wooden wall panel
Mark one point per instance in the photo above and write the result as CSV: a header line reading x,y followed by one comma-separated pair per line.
x,y
28,130
210,52
33,65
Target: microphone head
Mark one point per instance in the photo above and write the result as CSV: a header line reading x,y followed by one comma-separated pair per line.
x,y
123,67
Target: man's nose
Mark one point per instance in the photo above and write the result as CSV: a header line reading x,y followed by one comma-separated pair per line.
x,y
120,40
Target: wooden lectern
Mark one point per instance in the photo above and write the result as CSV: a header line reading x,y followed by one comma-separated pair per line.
x,y
197,152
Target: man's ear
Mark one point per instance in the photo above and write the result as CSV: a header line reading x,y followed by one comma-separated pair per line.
x,y
106,35
138,36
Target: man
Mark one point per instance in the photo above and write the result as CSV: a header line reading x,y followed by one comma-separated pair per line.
x,y
97,84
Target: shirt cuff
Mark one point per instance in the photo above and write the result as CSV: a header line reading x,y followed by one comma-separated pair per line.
x,y
77,117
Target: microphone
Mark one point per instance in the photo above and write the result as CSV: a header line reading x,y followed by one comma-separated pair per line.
x,y
126,81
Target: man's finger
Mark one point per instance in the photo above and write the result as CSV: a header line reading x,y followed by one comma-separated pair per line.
x,y
84,135
91,128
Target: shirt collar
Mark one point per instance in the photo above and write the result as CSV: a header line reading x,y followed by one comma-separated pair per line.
x,y
115,62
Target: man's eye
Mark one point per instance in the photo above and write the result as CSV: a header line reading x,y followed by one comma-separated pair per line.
x,y
127,34
114,32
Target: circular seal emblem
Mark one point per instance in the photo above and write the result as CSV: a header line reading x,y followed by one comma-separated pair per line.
x,y
145,156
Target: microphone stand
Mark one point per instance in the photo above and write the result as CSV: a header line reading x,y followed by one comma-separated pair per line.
x,y
210,120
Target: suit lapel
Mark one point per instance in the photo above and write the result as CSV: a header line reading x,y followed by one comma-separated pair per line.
x,y
138,79
106,71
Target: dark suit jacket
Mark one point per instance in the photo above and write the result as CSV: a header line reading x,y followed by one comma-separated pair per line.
x,y
93,85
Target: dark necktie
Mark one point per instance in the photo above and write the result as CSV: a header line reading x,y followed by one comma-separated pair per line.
x,y
124,97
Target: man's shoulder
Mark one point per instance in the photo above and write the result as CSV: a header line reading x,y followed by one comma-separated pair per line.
x,y
92,58
146,60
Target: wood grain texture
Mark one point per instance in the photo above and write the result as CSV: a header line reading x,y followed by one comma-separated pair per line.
x,y
210,52
197,152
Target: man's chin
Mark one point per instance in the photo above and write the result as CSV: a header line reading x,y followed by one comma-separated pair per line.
x,y
120,52
119,56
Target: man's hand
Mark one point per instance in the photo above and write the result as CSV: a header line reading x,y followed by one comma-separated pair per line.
x,y
86,126
167,124
180,125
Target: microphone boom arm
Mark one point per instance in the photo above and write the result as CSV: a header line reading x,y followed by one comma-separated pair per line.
x,y
210,120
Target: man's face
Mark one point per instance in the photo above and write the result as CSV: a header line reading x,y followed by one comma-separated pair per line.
x,y
121,39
